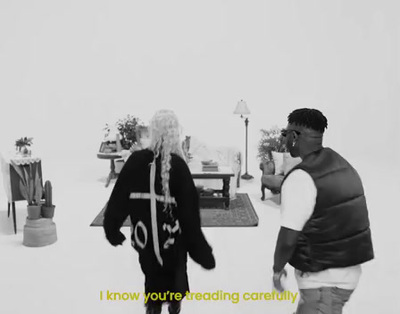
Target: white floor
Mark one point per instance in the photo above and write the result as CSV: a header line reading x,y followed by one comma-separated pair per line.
x,y
68,276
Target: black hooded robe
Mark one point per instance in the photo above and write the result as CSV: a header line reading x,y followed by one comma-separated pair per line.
x,y
135,178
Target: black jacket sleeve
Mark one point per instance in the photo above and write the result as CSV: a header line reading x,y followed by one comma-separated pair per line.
x,y
117,207
189,215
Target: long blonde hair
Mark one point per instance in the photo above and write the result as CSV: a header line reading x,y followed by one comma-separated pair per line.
x,y
165,139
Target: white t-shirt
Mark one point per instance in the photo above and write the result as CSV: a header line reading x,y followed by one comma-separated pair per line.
x,y
298,197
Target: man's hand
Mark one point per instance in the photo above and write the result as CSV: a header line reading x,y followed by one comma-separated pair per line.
x,y
277,280
285,246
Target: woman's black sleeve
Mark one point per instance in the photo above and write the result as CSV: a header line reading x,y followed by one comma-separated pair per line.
x,y
189,216
117,207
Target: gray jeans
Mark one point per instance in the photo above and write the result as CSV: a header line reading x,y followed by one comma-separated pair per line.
x,y
324,300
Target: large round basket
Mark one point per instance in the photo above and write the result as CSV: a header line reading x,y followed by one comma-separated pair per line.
x,y
39,232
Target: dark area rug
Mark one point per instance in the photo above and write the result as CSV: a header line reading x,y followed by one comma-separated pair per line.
x,y
241,213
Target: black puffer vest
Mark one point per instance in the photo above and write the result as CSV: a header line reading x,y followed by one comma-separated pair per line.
x,y
337,234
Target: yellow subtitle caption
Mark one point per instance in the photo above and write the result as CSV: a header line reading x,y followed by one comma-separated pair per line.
x,y
219,295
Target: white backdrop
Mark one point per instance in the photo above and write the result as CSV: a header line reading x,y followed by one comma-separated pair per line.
x,y
69,67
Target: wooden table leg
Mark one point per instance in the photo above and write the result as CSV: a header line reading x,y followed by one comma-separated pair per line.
x,y
225,191
112,174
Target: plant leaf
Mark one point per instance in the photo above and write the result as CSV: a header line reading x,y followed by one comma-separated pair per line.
x,y
22,189
31,190
18,171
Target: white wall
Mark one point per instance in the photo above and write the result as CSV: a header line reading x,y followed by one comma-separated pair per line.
x,y
68,67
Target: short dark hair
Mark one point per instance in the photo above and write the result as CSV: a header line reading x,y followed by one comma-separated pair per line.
x,y
309,118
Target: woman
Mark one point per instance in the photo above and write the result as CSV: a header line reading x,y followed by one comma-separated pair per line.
x,y
164,233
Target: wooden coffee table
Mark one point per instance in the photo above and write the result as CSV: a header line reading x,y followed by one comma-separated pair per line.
x,y
224,173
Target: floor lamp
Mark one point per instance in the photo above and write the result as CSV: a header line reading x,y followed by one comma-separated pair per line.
x,y
242,109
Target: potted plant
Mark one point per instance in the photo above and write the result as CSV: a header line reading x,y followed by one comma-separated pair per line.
x,y
48,207
128,129
31,189
271,141
22,145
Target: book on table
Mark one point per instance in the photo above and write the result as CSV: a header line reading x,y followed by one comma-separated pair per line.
x,y
211,167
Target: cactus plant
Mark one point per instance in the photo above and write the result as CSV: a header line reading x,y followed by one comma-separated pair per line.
x,y
48,207
48,194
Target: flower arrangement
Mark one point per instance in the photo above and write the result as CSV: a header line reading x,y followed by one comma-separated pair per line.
x,y
271,140
22,145
23,142
128,130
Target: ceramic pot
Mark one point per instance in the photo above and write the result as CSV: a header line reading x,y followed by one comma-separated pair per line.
x,y
34,211
48,211
39,232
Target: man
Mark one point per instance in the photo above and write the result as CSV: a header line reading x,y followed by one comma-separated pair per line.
x,y
325,232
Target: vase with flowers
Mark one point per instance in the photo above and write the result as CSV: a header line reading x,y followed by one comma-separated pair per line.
x,y
22,145
128,131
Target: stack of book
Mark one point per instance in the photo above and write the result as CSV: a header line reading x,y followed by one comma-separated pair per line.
x,y
209,166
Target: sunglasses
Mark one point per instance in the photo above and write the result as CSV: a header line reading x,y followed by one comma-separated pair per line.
x,y
284,133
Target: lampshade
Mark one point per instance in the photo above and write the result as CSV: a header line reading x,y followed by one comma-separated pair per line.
x,y
241,108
